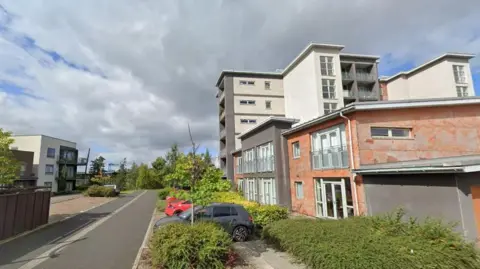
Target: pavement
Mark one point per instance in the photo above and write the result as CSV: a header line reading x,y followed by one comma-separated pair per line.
x,y
108,236
62,198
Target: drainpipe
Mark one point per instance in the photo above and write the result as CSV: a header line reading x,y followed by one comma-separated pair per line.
x,y
352,162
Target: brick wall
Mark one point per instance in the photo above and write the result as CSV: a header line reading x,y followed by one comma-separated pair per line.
x,y
383,91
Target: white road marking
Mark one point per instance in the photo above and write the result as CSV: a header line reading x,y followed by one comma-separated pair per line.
x,y
145,240
46,255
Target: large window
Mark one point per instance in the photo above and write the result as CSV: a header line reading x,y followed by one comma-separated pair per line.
x,y
296,150
267,191
51,153
329,148
265,158
329,107
49,169
328,89
462,91
249,161
459,74
390,132
250,191
247,82
299,190
240,186
327,66
333,198
239,165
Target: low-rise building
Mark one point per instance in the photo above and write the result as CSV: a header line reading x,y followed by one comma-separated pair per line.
x,y
330,156
51,157
260,162
26,176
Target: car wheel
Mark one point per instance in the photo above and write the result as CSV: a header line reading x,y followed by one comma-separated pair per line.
x,y
240,233
176,213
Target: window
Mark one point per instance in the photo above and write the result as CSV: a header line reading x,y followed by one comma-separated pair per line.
x,y
47,184
49,169
329,148
328,88
462,91
248,121
299,190
240,185
326,66
296,150
233,211
267,192
267,85
329,107
459,74
247,82
268,104
265,158
239,165
390,132
70,172
50,153
23,167
249,161
247,102
221,211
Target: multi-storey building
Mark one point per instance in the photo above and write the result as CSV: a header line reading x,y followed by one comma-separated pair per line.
x,y
52,158
245,99
374,157
322,79
26,176
446,76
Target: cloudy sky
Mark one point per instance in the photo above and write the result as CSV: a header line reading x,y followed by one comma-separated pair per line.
x,y
125,77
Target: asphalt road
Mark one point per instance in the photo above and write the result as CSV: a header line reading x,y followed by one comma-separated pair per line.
x,y
108,236
58,199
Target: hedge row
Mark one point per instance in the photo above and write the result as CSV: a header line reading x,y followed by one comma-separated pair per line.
x,y
203,245
100,191
262,214
372,242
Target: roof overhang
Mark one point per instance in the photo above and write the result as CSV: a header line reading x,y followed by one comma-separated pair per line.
x,y
266,122
247,74
419,170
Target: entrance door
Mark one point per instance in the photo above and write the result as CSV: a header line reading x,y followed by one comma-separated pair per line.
x,y
330,199
319,198
69,186
476,206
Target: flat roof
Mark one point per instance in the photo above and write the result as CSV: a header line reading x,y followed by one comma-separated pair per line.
x,y
44,136
306,51
267,121
354,55
456,164
247,73
428,64
385,105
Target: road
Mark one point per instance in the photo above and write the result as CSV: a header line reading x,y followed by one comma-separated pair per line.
x,y
108,236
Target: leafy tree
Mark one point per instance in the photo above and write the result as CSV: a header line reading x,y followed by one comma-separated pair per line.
x,y
210,183
132,175
146,177
9,166
181,173
121,175
172,156
160,170
207,158
97,166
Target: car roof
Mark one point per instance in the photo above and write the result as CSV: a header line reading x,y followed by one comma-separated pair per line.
x,y
226,204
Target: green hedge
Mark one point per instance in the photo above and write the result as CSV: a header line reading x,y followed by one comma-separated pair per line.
x,y
179,194
262,214
203,246
100,191
372,242
82,187
163,193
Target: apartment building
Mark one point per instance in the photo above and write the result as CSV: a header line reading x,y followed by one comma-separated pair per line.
x,y
446,76
245,99
373,157
26,177
51,157
260,162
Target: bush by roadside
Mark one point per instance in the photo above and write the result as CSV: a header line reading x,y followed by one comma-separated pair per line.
x,y
163,193
161,205
100,191
82,187
203,245
262,214
372,242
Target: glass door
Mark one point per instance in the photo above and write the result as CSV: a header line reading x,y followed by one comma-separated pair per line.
x,y
319,198
331,199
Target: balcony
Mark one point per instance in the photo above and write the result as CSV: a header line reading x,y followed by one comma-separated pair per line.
x,y
223,152
82,161
365,77
266,164
348,94
367,95
221,97
330,158
223,133
347,76
222,116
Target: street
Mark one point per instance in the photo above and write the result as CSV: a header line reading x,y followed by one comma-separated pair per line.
x,y
108,236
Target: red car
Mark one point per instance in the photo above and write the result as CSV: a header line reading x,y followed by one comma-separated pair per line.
x,y
177,206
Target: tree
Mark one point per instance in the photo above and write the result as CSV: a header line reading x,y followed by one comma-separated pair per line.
x,y
145,179
97,166
9,166
121,175
160,170
207,158
132,175
180,176
172,156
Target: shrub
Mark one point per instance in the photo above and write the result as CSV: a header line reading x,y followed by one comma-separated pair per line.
x,y
100,191
163,193
372,242
179,194
161,205
203,245
82,187
262,214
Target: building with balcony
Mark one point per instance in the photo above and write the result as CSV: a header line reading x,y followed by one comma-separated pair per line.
x,y
260,162
446,76
26,176
245,99
373,157
54,159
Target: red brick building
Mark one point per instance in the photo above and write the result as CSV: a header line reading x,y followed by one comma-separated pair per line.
x,y
327,154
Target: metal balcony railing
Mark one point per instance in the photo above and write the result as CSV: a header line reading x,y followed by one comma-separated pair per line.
x,y
223,133
222,115
365,77
266,164
221,96
82,161
348,93
367,95
347,75
223,152
328,158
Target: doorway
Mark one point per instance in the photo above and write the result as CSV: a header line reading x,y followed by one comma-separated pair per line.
x,y
331,198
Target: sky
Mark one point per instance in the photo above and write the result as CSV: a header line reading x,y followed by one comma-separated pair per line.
x,y
125,78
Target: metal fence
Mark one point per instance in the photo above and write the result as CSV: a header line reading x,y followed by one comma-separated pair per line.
x,y
23,209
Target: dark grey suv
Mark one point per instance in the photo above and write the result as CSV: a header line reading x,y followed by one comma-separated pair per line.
x,y
232,217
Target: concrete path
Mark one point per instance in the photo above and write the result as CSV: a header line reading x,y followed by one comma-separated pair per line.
x,y
108,236
62,198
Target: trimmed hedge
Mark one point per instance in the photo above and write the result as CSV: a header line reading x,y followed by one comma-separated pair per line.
x,y
163,193
262,214
179,194
203,245
82,187
372,242
100,191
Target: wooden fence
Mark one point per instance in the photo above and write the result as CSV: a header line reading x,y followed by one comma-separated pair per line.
x,y
22,210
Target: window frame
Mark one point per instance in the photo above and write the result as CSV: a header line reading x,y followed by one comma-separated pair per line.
x,y
269,83
247,102
329,110
296,185
390,134
247,82
294,152
329,89
462,91
53,169
268,104
459,74
248,121
327,66
216,207
54,153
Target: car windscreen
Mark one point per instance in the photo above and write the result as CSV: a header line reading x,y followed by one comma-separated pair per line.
x,y
186,214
